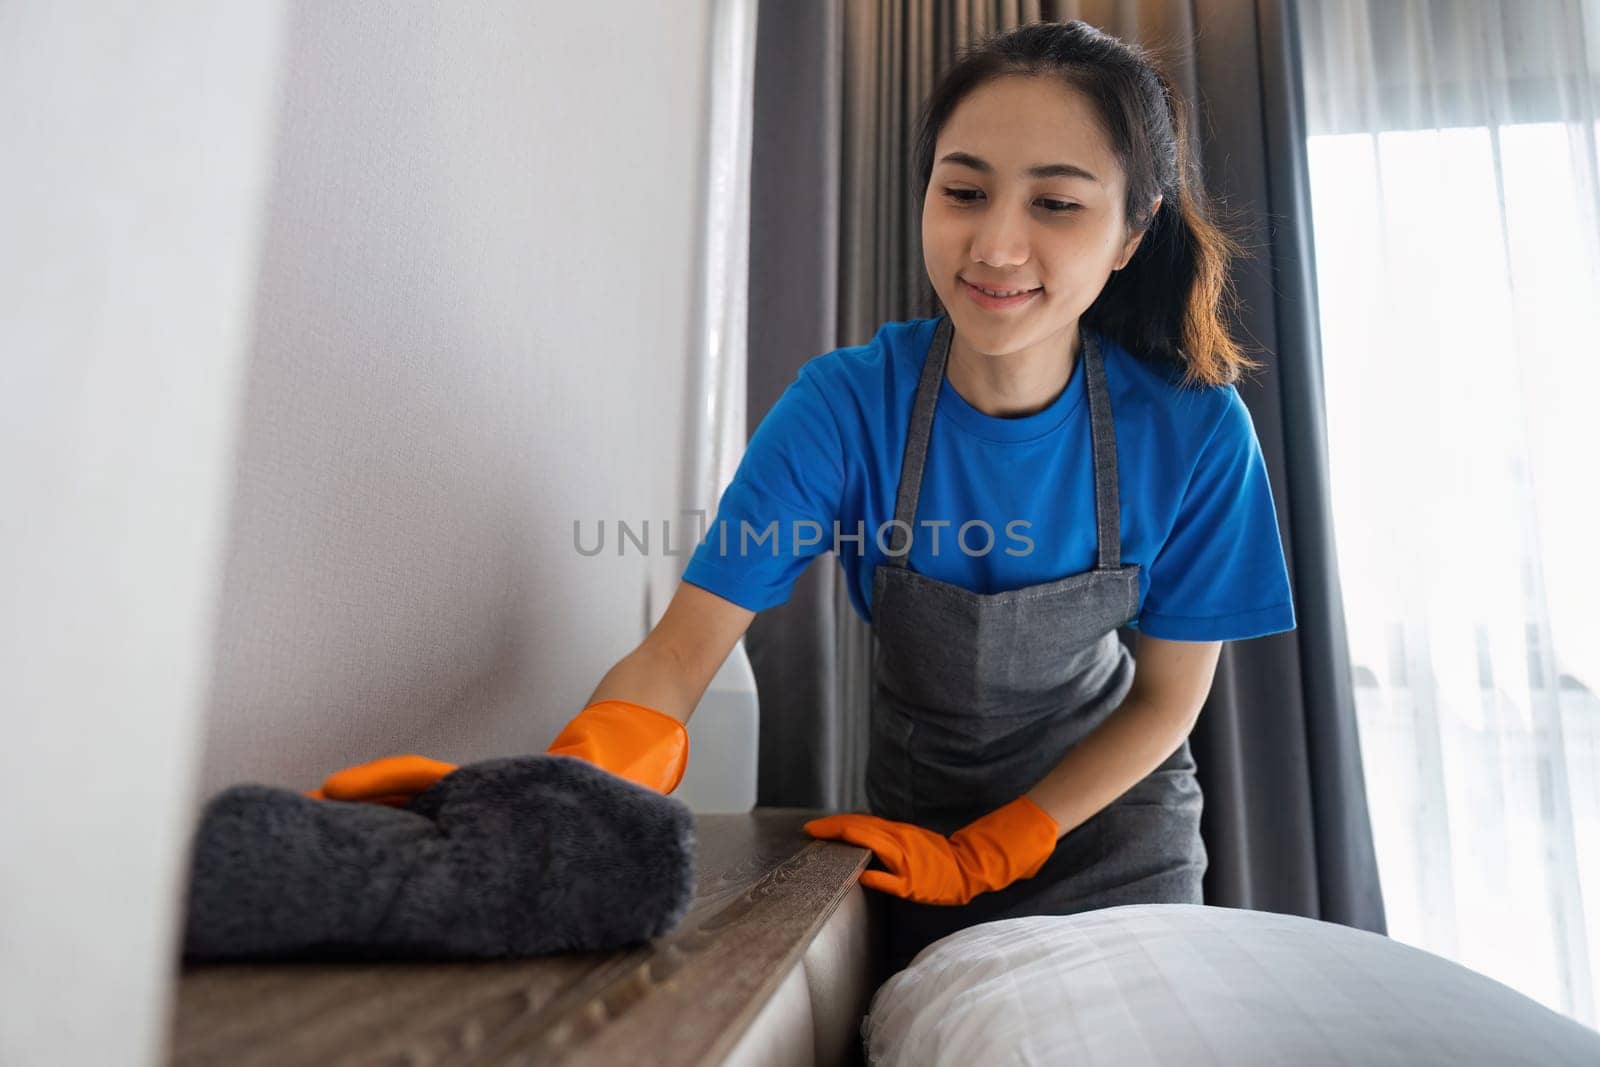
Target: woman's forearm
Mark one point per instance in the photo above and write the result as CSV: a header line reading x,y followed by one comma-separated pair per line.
x,y
651,675
1110,760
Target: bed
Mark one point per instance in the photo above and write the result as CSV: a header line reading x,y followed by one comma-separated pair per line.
x,y
779,963
1198,985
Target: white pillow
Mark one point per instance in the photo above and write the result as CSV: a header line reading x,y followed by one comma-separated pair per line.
x,y
1183,984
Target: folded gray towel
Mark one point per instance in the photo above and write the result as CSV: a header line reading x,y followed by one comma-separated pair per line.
x,y
508,857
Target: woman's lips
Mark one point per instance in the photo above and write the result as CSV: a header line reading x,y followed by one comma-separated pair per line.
x,y
997,303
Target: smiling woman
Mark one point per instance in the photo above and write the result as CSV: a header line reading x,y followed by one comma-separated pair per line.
x,y
1017,250
1063,224
1063,144
1076,390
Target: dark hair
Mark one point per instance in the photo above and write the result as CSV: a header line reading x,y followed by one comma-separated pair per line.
x,y
1168,301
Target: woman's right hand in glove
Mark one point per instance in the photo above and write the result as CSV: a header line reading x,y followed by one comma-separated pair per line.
x,y
645,746
392,780
683,653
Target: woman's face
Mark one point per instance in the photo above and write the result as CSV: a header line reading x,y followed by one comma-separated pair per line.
x,y
987,220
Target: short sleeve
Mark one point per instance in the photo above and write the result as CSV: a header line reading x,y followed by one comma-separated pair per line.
x,y
780,510
1220,575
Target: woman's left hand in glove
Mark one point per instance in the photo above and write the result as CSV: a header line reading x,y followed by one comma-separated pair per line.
x,y
990,853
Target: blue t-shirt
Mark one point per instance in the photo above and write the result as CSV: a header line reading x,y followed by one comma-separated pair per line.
x,y
822,470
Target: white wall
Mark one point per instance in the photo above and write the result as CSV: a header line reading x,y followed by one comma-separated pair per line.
x,y
425,288
475,299
130,224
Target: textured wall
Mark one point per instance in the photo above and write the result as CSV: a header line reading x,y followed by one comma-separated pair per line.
x,y
319,326
473,325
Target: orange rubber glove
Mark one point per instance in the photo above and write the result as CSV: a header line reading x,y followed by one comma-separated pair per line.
x,y
641,744
392,780
1009,843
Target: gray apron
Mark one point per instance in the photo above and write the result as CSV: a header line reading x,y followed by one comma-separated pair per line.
x,y
977,696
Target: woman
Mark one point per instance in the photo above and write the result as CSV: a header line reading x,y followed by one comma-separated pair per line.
x,y
1022,761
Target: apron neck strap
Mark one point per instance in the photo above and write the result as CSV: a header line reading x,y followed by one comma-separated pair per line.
x,y
1102,438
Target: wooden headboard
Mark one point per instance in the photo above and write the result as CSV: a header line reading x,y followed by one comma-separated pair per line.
x,y
774,963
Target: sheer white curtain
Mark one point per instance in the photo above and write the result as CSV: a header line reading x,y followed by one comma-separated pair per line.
x,y
1457,225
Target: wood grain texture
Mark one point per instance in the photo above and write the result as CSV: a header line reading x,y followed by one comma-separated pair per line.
x,y
764,889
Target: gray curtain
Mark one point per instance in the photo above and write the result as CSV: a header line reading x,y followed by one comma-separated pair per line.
x,y
835,252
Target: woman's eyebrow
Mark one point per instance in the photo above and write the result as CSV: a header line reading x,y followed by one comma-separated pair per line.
x,y
1043,170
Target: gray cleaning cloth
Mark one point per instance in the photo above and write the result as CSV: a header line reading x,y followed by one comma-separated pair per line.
x,y
512,857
